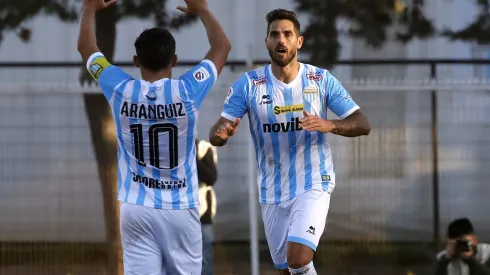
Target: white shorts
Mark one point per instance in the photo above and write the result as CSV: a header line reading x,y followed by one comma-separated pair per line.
x,y
160,241
300,220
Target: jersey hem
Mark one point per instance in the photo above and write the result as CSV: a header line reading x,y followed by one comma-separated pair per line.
x,y
167,206
316,186
348,113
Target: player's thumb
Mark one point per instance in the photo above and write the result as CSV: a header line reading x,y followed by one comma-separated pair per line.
x,y
183,9
236,123
305,113
109,3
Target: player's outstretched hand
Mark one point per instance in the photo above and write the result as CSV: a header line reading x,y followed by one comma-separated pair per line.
x,y
227,130
194,6
98,4
315,123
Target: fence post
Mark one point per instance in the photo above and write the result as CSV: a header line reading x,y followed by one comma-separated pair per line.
x,y
435,159
252,198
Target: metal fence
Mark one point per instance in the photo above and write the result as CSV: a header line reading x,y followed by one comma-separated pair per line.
x,y
424,163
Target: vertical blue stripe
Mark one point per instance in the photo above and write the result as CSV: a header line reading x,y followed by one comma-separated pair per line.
x,y
307,146
167,90
157,202
288,98
140,200
116,107
322,136
190,147
275,140
260,142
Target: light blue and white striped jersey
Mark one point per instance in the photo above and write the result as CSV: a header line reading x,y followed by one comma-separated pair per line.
x,y
156,132
290,160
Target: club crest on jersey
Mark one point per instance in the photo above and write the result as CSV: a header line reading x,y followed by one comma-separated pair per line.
x,y
151,95
201,74
310,93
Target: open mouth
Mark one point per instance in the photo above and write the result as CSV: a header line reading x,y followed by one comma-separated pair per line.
x,y
281,50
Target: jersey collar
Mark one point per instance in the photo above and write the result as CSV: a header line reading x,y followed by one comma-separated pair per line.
x,y
290,84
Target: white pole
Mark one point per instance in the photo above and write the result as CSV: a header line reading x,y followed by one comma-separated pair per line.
x,y
252,197
252,204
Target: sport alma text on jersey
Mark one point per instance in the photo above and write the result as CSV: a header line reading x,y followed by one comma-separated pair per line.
x,y
159,111
289,126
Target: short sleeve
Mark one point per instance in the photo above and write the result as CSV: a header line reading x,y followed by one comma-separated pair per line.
x,y
199,80
338,98
236,105
108,76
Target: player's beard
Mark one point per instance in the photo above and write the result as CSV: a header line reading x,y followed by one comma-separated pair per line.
x,y
281,62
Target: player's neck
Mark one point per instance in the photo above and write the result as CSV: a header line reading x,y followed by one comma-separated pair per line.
x,y
287,73
150,76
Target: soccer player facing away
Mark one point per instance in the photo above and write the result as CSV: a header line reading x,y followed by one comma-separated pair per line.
x,y
287,103
155,119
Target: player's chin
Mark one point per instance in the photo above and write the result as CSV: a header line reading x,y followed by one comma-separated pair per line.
x,y
281,60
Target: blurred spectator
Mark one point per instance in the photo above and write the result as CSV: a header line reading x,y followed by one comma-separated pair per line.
x,y
207,159
463,254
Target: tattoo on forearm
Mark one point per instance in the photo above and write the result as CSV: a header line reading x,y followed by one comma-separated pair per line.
x,y
351,127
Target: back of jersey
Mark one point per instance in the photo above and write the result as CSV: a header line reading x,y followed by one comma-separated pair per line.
x,y
156,131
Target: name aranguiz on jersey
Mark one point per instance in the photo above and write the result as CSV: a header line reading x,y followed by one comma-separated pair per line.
x,y
153,111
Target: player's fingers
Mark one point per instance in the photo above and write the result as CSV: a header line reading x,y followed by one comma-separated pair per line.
x,y
224,128
109,3
307,119
306,114
230,130
308,124
237,122
183,9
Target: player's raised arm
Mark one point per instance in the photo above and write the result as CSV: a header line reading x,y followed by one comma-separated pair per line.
x,y
199,80
219,42
107,75
87,41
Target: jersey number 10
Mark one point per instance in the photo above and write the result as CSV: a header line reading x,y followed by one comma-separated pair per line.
x,y
153,131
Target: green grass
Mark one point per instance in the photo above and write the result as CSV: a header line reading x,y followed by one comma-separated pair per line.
x,y
234,258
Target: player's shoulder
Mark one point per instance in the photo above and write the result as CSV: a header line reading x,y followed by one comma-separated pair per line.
x,y
256,77
315,73
257,72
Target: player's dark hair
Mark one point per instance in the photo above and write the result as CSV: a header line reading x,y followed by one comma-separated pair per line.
x,y
459,228
155,48
282,14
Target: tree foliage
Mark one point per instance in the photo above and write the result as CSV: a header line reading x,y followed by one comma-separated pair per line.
x,y
14,14
478,31
369,20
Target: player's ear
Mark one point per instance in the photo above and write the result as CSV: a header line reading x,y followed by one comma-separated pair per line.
x,y
174,60
136,61
301,39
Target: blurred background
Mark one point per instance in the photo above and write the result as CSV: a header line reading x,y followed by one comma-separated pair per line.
x,y
419,69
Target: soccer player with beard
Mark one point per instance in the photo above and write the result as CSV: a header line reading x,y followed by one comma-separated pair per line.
x,y
286,102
